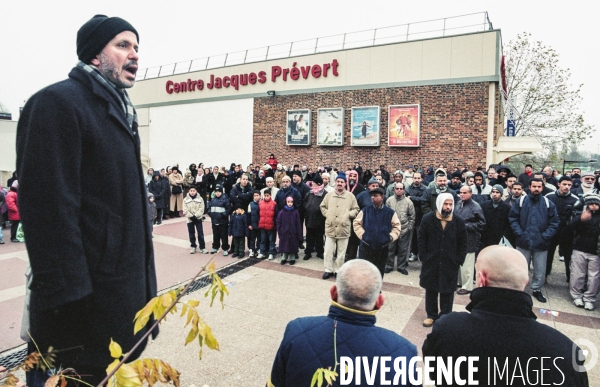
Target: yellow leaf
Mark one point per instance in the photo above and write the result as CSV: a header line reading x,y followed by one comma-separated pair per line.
x,y
315,377
211,340
111,366
127,377
193,303
52,381
320,379
192,335
184,310
115,349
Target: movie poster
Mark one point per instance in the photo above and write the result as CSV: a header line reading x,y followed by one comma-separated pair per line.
x,y
298,127
365,130
404,125
330,127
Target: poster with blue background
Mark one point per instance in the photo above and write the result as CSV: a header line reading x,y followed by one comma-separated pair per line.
x,y
365,126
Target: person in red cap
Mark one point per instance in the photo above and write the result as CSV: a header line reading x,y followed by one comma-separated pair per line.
x,y
89,244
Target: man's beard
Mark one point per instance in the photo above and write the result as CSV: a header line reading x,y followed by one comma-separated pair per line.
x,y
109,69
446,214
352,183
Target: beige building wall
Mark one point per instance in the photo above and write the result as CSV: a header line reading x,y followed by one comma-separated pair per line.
x,y
456,59
8,153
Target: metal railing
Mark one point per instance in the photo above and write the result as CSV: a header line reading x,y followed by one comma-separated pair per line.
x,y
455,25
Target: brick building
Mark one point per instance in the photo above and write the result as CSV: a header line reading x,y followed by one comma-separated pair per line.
x,y
243,112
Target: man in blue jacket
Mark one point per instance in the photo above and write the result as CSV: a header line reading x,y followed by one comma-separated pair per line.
x,y
534,221
308,343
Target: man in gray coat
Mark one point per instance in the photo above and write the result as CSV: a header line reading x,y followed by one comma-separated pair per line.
x,y
89,244
405,210
470,211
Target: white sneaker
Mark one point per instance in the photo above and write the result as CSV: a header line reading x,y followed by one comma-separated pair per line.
x,y
578,302
589,306
193,250
271,257
225,253
260,256
204,251
562,259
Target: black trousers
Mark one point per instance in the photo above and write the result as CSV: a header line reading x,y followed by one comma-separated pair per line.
x,y
564,242
414,243
353,243
14,225
220,237
315,241
431,303
238,245
377,257
254,239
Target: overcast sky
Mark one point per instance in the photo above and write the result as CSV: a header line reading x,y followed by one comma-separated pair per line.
x,y
37,38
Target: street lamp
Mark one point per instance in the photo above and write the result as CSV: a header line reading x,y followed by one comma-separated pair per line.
x,y
576,161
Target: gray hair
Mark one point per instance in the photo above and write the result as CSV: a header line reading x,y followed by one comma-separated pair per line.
x,y
269,179
469,187
358,284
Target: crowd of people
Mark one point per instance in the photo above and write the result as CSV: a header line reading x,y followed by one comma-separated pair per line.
x,y
377,215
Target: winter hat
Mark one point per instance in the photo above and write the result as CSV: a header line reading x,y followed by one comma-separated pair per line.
x,y
500,168
219,188
95,34
588,173
498,188
591,198
341,175
150,195
372,181
456,174
266,167
317,179
289,197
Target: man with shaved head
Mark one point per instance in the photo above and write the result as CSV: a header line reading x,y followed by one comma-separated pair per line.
x,y
501,330
308,342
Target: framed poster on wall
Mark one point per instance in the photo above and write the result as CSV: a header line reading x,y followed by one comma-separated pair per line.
x,y
330,127
404,125
365,129
298,127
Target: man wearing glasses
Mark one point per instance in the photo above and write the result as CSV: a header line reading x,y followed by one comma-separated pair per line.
x,y
405,210
588,179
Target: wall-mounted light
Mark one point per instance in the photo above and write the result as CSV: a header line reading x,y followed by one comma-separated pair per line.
x,y
271,93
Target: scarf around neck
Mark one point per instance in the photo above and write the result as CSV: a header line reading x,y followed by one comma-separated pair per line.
x,y
119,95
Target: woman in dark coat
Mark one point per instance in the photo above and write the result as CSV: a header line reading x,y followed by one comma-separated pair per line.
x,y
289,231
159,189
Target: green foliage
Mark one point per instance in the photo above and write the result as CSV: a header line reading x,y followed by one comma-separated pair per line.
x,y
539,89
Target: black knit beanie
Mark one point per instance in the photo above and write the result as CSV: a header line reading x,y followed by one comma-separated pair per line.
x,y
94,35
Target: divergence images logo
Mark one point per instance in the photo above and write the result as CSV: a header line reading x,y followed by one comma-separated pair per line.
x,y
584,351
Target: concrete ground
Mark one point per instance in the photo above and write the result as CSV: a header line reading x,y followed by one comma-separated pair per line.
x,y
263,298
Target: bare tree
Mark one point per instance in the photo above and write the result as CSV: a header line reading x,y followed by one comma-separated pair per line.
x,y
544,103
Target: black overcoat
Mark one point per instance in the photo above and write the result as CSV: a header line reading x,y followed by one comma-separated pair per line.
x,y
441,251
89,243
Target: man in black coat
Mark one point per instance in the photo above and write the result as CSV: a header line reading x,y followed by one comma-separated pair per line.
x,y
501,329
89,244
442,249
495,212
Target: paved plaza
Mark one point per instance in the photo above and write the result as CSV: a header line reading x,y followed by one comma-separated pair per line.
x,y
264,296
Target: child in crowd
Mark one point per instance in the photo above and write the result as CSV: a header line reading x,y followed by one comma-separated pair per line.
x,y
151,211
193,210
253,231
219,209
266,223
238,227
289,230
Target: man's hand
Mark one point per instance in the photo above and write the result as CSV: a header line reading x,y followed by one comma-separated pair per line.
x,y
249,227
586,215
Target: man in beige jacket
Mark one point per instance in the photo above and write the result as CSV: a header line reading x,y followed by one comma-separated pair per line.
x,y
338,208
